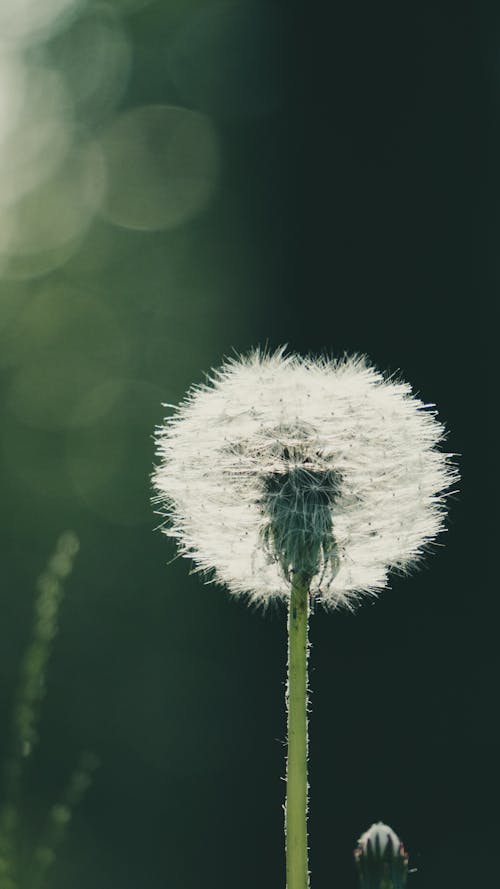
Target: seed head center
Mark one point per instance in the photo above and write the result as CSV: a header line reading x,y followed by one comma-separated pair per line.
x,y
297,503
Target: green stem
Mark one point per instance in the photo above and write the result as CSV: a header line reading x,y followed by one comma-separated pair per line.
x,y
297,875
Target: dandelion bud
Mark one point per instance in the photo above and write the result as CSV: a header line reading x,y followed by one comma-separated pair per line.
x,y
381,859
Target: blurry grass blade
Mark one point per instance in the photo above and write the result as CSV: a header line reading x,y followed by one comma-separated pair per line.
x,y
32,685
28,700
60,816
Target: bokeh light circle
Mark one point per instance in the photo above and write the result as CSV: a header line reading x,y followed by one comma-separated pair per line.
x,y
35,130
25,21
94,55
161,164
61,345
44,228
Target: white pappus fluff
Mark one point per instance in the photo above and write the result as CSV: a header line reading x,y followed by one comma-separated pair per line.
x,y
263,420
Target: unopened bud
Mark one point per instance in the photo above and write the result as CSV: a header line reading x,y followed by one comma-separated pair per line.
x,y
381,859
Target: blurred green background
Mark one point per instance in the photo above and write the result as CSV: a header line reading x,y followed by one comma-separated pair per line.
x,y
180,179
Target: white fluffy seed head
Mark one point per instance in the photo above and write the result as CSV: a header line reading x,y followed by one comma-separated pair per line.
x,y
234,459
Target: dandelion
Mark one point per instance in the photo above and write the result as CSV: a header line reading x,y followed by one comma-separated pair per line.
x,y
301,479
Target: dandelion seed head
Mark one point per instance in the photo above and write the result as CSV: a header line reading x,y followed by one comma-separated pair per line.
x,y
281,463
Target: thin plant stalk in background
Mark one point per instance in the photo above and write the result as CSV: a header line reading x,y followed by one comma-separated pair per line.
x,y
24,734
303,480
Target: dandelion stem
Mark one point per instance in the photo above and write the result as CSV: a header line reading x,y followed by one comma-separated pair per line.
x,y
297,874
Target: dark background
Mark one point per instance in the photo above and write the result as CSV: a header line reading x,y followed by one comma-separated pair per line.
x,y
351,212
